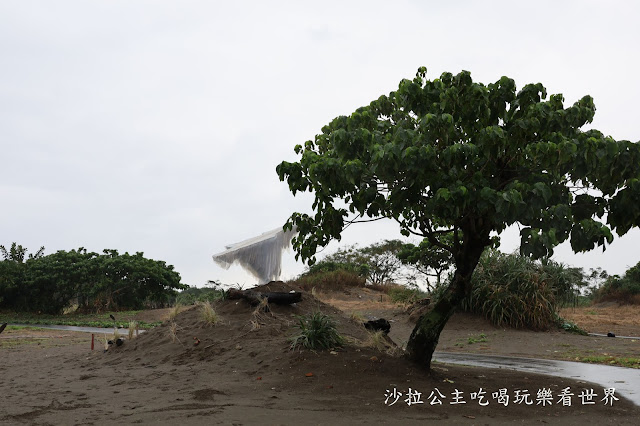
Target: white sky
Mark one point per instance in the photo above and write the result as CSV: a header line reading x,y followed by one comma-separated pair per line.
x,y
156,126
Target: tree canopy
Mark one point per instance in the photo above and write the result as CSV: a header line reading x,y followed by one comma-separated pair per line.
x,y
94,281
455,161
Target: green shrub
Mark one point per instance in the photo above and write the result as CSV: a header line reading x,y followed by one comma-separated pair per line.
x,y
330,280
402,294
516,291
323,266
625,290
194,295
317,331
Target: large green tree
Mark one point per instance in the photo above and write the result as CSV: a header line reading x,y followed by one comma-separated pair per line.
x,y
107,281
450,156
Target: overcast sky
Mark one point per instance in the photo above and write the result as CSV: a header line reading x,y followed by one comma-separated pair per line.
x,y
156,126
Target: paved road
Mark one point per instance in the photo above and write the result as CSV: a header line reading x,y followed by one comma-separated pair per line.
x,y
74,328
626,381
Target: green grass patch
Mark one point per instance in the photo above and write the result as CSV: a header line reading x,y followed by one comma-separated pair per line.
x,y
78,320
477,339
22,327
629,362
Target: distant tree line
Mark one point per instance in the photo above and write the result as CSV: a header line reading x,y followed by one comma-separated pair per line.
x,y
94,282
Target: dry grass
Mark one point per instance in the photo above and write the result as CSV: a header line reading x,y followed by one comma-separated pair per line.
x,y
379,341
263,306
133,329
106,342
173,313
358,304
357,317
173,332
255,325
624,320
208,314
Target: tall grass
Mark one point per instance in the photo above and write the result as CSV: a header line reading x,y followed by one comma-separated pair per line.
x,y
513,290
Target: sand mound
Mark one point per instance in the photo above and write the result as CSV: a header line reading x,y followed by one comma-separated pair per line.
x,y
243,333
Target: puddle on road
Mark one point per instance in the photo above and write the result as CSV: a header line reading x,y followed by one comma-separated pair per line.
x,y
626,381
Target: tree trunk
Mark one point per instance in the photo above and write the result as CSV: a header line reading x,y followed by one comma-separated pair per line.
x,y
425,335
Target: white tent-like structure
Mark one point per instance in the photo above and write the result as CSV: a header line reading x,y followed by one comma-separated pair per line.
x,y
261,255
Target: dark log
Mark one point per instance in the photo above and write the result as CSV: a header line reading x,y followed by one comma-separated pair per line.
x,y
380,324
2,327
254,297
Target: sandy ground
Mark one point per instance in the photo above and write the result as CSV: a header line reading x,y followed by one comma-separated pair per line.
x,y
243,372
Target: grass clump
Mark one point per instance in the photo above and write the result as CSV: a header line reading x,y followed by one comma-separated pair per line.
x,y
357,317
208,314
317,331
133,329
512,290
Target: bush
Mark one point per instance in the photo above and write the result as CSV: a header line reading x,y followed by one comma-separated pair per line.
x,y
623,290
317,331
402,294
193,295
330,280
323,266
514,290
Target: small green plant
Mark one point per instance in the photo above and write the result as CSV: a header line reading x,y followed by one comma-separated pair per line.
x,y
570,326
317,331
479,339
208,314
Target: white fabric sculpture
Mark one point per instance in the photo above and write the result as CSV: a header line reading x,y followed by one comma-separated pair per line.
x,y
261,255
